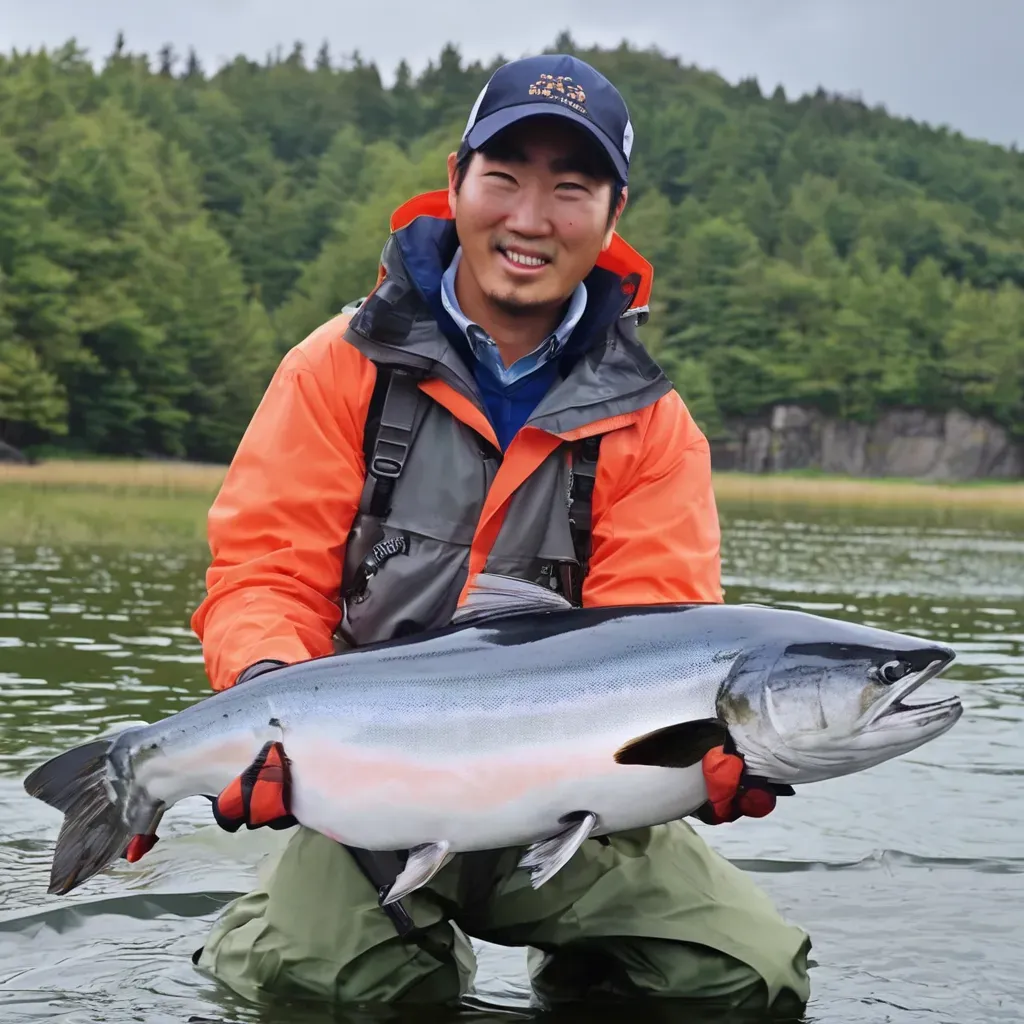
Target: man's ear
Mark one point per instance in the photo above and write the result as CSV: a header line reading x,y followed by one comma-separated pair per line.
x,y
614,222
453,163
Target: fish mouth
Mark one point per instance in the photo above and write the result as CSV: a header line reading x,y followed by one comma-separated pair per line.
x,y
893,709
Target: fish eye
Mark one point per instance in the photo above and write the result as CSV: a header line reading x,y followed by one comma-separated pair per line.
x,y
893,671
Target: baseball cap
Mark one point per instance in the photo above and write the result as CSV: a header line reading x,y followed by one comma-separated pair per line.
x,y
553,84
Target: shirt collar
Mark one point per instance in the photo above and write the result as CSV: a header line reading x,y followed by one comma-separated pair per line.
x,y
483,345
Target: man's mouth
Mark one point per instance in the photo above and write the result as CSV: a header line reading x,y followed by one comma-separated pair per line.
x,y
523,259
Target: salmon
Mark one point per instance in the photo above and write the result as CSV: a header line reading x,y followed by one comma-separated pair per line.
x,y
523,723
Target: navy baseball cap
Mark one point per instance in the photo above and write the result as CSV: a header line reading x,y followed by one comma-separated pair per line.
x,y
553,84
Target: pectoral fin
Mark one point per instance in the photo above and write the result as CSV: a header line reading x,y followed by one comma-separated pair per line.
x,y
546,858
423,863
676,746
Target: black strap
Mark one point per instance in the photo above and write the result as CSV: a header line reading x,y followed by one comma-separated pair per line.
x,y
581,497
389,434
394,415
381,868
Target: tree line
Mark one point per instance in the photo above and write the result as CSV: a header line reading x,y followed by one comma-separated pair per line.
x,y
168,231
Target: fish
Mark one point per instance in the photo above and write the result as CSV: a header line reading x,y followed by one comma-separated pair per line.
x,y
522,723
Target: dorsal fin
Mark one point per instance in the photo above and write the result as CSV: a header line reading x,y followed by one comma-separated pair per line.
x,y
492,597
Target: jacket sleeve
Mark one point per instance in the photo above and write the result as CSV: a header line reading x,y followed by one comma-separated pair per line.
x,y
277,528
656,537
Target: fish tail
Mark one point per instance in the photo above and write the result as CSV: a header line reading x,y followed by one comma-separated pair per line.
x,y
94,798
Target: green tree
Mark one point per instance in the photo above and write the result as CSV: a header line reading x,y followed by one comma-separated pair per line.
x,y
166,230
984,349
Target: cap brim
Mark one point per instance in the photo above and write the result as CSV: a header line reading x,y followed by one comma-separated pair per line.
x,y
487,127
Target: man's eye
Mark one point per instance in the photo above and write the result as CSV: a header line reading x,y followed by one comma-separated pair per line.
x,y
501,175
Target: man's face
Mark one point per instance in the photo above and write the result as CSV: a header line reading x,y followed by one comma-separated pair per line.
x,y
533,216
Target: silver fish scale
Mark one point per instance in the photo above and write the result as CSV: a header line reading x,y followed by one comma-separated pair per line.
x,y
480,693
482,687
523,679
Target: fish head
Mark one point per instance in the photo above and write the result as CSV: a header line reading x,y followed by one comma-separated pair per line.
x,y
832,705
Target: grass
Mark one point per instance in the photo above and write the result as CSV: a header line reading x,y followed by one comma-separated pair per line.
x,y
153,504
142,504
171,479
819,489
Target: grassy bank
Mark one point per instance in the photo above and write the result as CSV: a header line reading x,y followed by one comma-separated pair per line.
x,y
143,504
157,504
171,479
813,489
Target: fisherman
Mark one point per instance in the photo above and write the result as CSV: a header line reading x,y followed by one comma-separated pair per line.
x,y
488,405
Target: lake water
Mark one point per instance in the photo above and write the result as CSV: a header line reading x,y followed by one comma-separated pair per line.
x,y
910,876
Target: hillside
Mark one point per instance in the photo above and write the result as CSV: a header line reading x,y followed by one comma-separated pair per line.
x,y
166,234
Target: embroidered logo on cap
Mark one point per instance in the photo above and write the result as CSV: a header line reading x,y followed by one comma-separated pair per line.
x,y
561,88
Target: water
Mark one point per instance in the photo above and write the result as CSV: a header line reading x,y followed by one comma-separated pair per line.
x,y
910,877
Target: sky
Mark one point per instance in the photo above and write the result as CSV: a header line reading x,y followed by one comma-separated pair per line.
x,y
940,61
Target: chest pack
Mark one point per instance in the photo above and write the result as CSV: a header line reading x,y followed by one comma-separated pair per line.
x,y
396,410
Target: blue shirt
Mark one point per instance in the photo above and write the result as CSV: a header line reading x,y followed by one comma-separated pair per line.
x,y
511,393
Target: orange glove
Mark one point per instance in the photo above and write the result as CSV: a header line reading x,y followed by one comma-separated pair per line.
x,y
259,797
733,794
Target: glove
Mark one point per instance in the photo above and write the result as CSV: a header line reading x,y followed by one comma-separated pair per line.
x,y
236,800
732,793
260,796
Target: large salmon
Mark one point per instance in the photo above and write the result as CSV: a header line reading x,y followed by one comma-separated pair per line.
x,y
524,723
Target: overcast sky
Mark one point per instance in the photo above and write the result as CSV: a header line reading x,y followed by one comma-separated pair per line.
x,y
954,62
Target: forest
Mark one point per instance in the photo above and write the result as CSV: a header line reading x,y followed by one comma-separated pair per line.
x,y
169,231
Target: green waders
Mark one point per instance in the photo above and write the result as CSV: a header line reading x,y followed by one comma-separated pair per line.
x,y
656,912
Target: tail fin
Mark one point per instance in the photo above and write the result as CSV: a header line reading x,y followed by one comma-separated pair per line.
x,y
94,832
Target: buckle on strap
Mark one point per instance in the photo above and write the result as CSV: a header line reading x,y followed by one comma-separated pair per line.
x,y
390,436
397,420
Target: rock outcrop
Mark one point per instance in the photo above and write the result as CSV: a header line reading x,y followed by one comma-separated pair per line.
x,y
900,443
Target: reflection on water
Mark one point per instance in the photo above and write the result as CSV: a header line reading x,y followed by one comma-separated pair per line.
x,y
910,876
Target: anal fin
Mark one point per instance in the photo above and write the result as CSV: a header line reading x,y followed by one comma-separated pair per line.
x,y
547,857
423,863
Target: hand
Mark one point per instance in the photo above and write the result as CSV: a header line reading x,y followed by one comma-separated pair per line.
x,y
732,793
260,797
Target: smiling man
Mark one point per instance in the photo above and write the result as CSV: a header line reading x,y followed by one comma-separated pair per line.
x,y
488,406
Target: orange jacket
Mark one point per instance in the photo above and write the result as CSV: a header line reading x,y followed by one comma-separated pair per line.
x,y
279,525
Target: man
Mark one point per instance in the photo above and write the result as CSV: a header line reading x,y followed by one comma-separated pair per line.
x,y
492,378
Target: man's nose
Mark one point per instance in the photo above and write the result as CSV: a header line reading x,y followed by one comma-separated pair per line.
x,y
528,215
